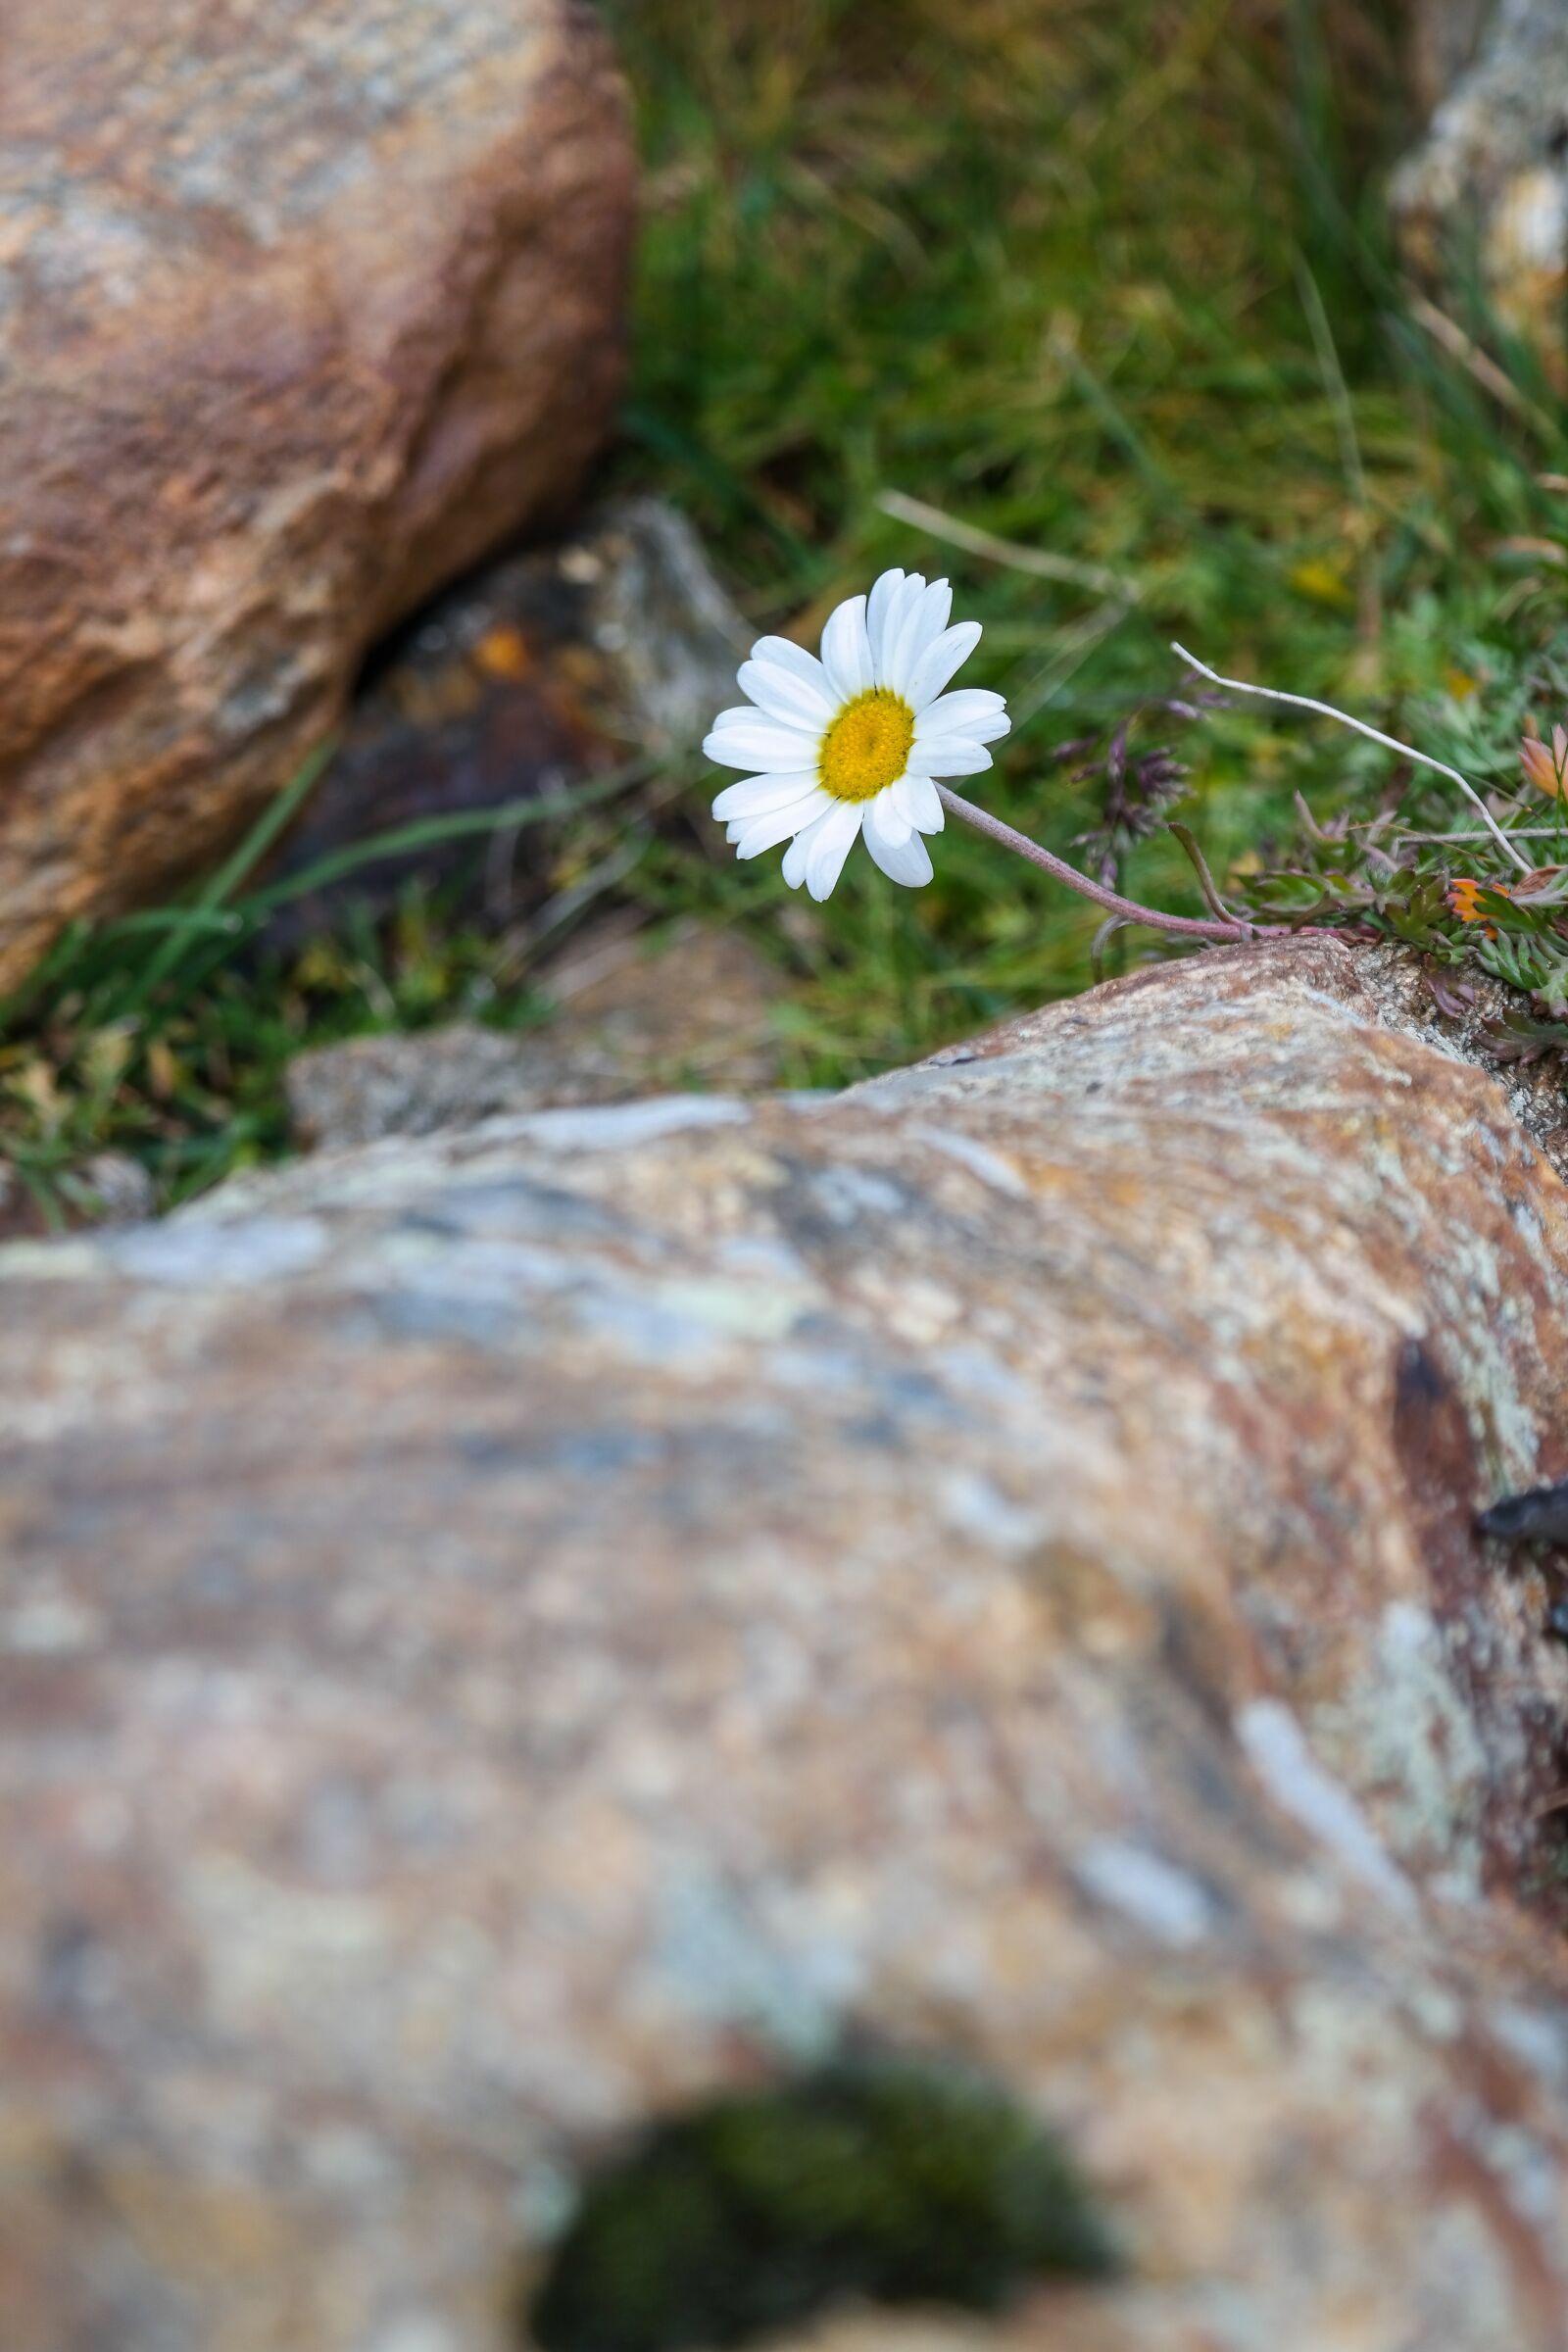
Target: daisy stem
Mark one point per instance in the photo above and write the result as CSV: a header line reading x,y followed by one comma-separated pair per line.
x,y
1180,926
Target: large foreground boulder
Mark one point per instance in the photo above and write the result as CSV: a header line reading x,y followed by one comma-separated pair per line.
x,y
506,1635
302,308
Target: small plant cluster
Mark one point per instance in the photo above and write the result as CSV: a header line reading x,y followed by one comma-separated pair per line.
x,y
1479,880
1137,783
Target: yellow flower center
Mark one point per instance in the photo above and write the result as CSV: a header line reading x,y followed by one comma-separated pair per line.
x,y
868,746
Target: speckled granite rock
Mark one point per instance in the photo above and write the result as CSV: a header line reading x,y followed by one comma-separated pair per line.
x,y
304,306
696,1010
1486,190
505,1632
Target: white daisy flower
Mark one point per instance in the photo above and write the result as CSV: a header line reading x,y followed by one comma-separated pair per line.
x,y
853,742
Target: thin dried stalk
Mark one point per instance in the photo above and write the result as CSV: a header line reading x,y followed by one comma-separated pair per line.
x,y
1358,726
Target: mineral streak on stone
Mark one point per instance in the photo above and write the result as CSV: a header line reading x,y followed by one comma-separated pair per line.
x,y
303,307
506,1636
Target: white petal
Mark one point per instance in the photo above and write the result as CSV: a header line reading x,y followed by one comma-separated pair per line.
x,y
916,802
906,861
901,631
764,747
936,610
923,623
945,757
747,714
796,855
755,796
832,838
847,650
799,702
940,659
972,711
780,824
782,653
884,817
878,605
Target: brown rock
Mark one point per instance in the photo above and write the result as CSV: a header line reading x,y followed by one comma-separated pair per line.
x,y
304,307
505,1634
694,1011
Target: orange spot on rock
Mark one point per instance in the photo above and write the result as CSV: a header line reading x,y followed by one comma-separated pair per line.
x,y
502,653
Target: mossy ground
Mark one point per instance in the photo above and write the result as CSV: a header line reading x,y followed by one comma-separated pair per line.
x,y
1109,283
888,2181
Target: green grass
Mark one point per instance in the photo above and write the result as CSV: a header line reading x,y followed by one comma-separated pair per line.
x,y
1104,281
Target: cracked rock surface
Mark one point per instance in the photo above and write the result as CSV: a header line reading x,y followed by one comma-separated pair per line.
x,y
505,1634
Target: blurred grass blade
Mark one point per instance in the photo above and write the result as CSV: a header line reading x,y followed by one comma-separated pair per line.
x,y
434,832
1043,562
273,822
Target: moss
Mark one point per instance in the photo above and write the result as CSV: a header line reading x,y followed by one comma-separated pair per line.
x,y
889,2180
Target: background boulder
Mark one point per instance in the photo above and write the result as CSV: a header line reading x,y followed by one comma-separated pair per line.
x,y
510,1633
302,308
1482,202
697,1008
1445,36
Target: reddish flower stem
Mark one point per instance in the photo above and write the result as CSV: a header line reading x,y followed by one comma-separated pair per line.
x,y
1180,926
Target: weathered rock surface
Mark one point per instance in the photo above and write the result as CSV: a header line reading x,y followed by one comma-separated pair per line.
x,y
1487,192
696,1010
503,1633
302,308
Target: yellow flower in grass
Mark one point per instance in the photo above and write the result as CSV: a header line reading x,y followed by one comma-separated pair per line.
x,y
853,742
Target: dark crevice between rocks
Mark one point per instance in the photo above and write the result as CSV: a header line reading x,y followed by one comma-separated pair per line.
x,y
1526,1534
1525,1833
885,2180
1542,1876
538,672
